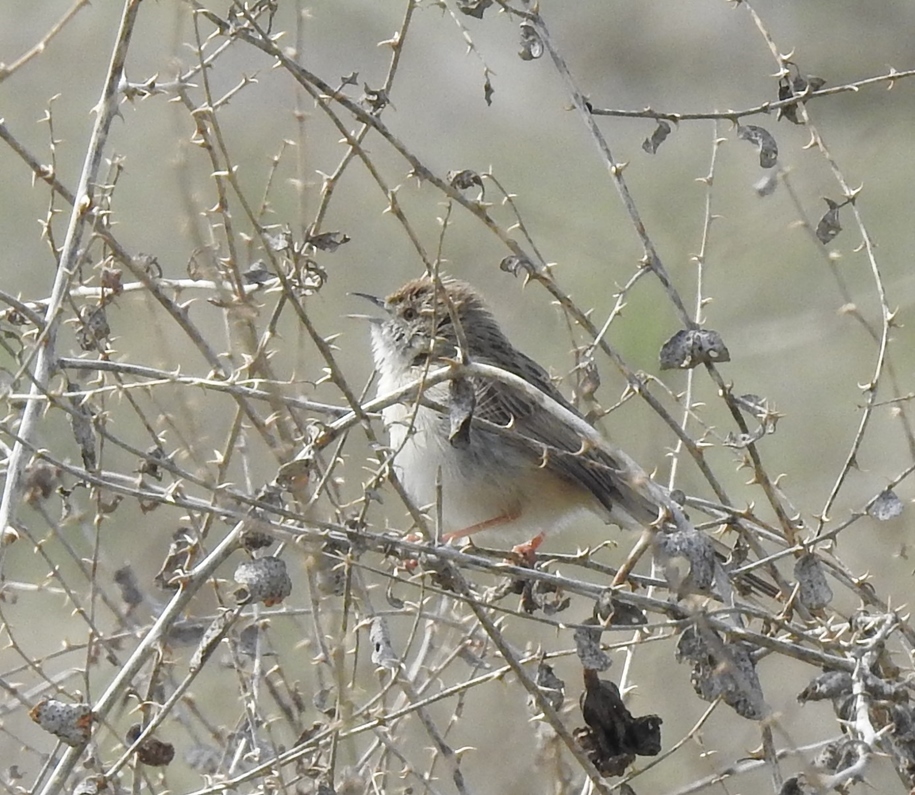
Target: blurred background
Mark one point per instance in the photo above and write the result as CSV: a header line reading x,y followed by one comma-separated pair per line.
x,y
797,316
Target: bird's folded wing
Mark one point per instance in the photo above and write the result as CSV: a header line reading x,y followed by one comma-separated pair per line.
x,y
551,443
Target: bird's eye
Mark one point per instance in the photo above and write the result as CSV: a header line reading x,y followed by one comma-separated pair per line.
x,y
409,313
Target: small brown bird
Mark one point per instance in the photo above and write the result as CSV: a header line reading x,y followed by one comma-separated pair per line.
x,y
519,468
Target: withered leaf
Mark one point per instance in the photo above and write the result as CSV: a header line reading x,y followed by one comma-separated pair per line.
x,y
327,241
151,464
514,265
262,580
41,479
790,88
70,723
473,8
212,636
829,226
590,378
151,750
488,90
179,560
722,669
689,348
81,422
653,141
814,591
464,179
552,687
693,548
382,652
795,785
768,148
587,646
375,99
126,580
257,273
887,506
827,685
613,736
610,611
531,45
93,327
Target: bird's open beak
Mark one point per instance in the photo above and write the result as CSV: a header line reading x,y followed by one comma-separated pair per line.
x,y
379,302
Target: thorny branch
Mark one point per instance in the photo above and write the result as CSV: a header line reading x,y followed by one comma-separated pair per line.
x,y
248,438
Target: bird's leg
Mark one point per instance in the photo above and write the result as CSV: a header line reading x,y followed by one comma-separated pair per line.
x,y
528,550
501,519
525,551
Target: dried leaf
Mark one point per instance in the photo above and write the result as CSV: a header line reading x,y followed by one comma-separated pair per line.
x,y
330,575
488,90
462,180
514,265
81,422
150,465
552,687
587,646
829,226
382,651
693,548
473,8
41,479
375,99
185,633
689,348
262,580
91,785
531,45
887,506
327,241
212,636
657,137
796,785
814,591
722,669
545,596
70,723
610,611
93,327
179,559
768,148
837,755
111,282
258,273
295,475
126,580
151,750
790,88
590,378
256,532
613,736
827,685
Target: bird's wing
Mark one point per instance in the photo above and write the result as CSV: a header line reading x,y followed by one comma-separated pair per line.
x,y
553,444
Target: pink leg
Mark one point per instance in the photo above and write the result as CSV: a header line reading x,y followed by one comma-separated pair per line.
x,y
504,518
525,551
528,549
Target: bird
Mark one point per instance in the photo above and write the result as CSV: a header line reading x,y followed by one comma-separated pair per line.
x,y
516,469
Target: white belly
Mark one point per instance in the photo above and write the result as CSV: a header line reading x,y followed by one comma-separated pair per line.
x,y
477,484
